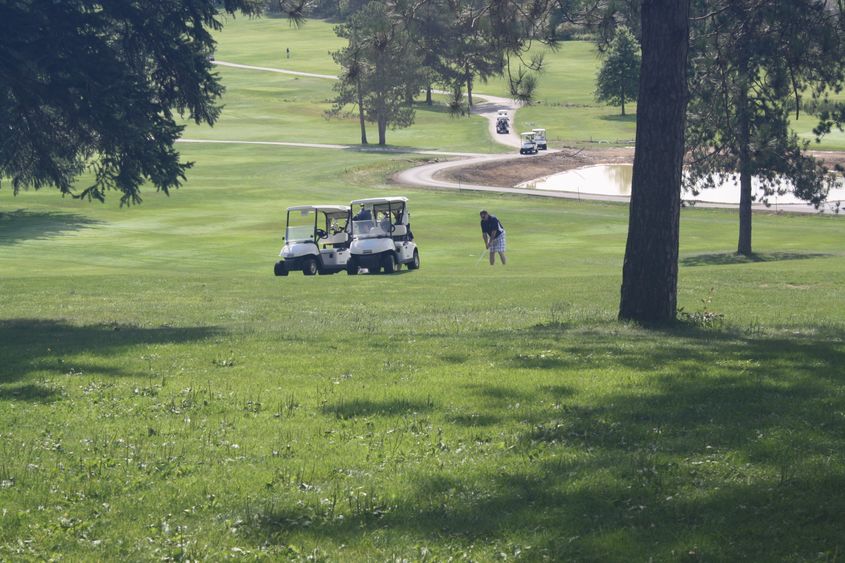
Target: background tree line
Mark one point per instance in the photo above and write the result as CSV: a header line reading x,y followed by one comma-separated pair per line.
x,y
398,49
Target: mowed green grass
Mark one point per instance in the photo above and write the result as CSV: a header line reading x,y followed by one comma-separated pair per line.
x,y
163,396
262,42
266,106
565,104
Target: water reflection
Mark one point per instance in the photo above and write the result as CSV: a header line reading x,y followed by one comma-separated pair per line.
x,y
615,180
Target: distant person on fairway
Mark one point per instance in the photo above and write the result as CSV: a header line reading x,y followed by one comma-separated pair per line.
x,y
287,52
494,236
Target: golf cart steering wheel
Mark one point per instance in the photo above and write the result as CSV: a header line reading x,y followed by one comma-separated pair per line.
x,y
392,228
322,234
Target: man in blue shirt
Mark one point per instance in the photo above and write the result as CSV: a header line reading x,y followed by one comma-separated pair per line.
x,y
494,236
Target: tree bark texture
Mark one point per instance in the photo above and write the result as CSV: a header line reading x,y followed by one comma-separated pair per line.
x,y
650,271
469,89
382,130
744,138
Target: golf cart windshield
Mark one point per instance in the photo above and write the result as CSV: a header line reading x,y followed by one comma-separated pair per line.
x,y
301,224
336,222
377,220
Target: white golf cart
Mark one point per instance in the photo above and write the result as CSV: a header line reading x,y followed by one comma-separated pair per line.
x,y
540,139
316,240
527,146
381,236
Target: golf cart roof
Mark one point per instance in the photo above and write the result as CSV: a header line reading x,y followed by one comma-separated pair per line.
x,y
323,208
539,130
377,200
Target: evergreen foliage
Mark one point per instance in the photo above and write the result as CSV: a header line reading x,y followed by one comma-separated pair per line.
x,y
619,77
99,86
753,63
381,69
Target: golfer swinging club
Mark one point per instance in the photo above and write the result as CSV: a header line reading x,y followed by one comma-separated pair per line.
x,y
494,236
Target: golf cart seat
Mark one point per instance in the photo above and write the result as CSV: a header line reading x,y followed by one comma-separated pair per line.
x,y
400,230
337,238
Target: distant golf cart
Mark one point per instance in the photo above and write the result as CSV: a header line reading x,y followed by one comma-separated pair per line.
x,y
540,139
381,236
502,126
316,240
502,122
527,146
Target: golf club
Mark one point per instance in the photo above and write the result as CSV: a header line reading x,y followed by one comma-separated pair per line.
x,y
483,254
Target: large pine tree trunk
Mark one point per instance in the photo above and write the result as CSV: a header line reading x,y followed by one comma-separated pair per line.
x,y
361,115
744,245
428,99
650,271
744,137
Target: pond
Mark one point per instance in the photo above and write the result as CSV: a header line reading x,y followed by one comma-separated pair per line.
x,y
615,180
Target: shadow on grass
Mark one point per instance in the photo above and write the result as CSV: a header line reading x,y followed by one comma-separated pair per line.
x,y
20,225
44,345
34,393
629,118
364,407
728,258
729,447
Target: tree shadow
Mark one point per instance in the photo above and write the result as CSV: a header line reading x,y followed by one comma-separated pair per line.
x,y
454,358
365,407
629,118
29,392
43,345
729,258
20,225
730,448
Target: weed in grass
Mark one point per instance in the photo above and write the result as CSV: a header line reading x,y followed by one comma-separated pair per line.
x,y
704,318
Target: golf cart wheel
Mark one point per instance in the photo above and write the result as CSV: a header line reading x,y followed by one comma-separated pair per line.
x,y
309,266
414,264
280,269
389,263
352,268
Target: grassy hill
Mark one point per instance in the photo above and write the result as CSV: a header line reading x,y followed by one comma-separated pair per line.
x,y
163,396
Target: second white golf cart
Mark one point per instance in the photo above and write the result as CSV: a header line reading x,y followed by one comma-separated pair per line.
x,y
540,139
381,236
316,240
527,146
